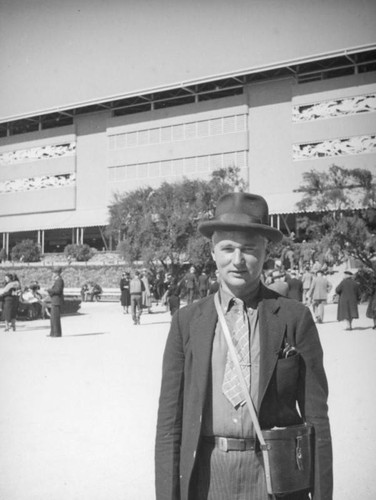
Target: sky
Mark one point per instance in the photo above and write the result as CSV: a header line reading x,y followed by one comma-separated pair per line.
x,y
55,54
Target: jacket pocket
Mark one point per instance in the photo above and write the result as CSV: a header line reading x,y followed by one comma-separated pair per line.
x,y
287,375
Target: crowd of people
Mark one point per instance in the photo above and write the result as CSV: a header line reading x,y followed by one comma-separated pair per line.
x,y
312,286
41,303
140,289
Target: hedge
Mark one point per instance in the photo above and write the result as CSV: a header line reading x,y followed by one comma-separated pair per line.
x,y
107,276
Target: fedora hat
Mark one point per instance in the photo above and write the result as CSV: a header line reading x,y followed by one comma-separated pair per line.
x,y
241,212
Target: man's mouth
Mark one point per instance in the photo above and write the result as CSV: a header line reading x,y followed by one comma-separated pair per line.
x,y
239,271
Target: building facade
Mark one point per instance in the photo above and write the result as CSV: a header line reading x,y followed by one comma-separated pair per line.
x,y
59,171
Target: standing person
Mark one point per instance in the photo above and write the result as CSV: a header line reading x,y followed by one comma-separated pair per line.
x,y
146,292
125,297
159,287
318,293
371,307
205,443
56,292
203,284
173,296
307,279
191,284
136,287
295,287
10,298
348,297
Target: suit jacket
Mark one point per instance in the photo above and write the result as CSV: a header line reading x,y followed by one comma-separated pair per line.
x,y
56,292
283,382
320,288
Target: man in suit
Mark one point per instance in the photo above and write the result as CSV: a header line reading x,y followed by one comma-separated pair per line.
x,y
318,293
205,442
295,286
56,292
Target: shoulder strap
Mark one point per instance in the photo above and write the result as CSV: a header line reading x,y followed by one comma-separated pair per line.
x,y
248,399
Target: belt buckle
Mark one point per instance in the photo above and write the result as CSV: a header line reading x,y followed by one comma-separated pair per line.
x,y
222,444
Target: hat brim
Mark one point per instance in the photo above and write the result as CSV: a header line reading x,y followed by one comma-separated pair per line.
x,y
207,228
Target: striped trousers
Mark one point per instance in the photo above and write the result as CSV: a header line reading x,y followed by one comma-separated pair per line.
x,y
232,475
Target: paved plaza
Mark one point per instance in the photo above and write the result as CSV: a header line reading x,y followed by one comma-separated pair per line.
x,y
78,413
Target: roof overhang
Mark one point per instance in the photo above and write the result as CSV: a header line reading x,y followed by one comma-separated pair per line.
x,y
302,69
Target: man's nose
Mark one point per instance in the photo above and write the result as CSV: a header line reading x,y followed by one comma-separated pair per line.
x,y
238,257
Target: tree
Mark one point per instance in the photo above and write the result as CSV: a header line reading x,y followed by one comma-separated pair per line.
x,y
337,189
348,197
159,226
81,253
26,251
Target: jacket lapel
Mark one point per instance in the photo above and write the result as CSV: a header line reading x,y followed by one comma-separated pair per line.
x,y
202,331
272,330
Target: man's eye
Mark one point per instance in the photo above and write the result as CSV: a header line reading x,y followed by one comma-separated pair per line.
x,y
248,249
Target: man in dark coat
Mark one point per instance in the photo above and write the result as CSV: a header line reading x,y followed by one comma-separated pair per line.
x,y
56,292
295,287
203,284
205,442
191,284
348,297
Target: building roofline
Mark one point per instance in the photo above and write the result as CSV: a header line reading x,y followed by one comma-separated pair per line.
x,y
293,65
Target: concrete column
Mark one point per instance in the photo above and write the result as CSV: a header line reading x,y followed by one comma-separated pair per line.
x,y
6,243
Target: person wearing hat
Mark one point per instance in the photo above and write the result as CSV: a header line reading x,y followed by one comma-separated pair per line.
x,y
56,292
348,298
205,442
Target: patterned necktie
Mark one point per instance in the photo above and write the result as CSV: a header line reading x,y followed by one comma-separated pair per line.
x,y
238,325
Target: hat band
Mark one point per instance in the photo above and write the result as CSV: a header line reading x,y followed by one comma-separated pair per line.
x,y
239,219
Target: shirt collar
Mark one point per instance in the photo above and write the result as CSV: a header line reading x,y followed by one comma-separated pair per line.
x,y
250,301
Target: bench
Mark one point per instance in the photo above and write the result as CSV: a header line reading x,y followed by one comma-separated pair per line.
x,y
108,294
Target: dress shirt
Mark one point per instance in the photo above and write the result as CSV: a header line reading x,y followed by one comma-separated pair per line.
x,y
220,417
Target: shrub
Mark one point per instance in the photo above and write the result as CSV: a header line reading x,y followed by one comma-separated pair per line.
x,y
26,251
81,253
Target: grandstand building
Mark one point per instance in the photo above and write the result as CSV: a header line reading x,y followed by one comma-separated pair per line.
x,y
60,168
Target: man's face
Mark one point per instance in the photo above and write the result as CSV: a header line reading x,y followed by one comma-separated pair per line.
x,y
239,257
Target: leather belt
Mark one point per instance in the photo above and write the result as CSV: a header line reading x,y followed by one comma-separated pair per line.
x,y
231,444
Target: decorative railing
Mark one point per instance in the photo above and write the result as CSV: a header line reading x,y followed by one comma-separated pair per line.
x,y
335,147
35,183
334,108
38,153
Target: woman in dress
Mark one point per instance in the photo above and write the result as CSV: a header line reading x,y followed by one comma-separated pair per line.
x,y
10,297
348,298
125,298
